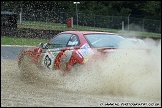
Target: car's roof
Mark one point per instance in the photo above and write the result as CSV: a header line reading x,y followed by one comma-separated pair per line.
x,y
87,32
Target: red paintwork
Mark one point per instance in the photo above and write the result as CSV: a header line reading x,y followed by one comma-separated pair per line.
x,y
34,52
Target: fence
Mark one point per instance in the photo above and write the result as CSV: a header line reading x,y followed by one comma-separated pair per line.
x,y
113,22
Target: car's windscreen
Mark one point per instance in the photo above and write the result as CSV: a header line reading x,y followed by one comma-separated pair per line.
x,y
104,40
59,41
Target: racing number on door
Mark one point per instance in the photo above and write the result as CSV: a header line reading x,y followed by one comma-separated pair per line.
x,y
47,61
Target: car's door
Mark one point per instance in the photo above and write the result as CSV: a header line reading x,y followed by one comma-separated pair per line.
x,y
51,55
68,57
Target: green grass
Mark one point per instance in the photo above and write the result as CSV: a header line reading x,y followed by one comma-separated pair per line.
x,y
58,26
7,40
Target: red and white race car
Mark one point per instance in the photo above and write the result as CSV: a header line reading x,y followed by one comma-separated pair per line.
x,y
71,47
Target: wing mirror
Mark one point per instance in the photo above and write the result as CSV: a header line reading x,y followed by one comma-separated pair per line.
x,y
43,45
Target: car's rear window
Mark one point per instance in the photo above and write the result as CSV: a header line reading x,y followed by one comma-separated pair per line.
x,y
104,40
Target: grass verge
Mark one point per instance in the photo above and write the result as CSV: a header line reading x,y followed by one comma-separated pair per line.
x,y
8,40
58,26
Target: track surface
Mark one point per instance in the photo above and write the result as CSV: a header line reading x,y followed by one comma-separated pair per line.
x,y
16,92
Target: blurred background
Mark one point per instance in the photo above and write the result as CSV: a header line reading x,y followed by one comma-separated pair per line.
x,y
118,15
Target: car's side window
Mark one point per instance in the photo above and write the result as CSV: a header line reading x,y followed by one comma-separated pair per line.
x,y
59,41
73,41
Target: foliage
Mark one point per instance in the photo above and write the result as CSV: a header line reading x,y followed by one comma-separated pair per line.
x,y
142,9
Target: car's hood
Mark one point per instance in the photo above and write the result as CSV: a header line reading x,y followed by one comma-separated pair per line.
x,y
31,49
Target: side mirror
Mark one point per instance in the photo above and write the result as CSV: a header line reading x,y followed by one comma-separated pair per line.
x,y
41,45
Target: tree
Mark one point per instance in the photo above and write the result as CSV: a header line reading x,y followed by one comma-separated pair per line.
x,y
142,9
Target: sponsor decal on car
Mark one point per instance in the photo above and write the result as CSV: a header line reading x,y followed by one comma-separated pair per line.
x,y
65,58
73,43
48,59
86,52
79,54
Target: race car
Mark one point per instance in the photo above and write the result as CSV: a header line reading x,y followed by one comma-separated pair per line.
x,y
136,41
68,48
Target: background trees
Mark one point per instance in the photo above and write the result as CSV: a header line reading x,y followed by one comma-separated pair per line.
x,y
140,9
